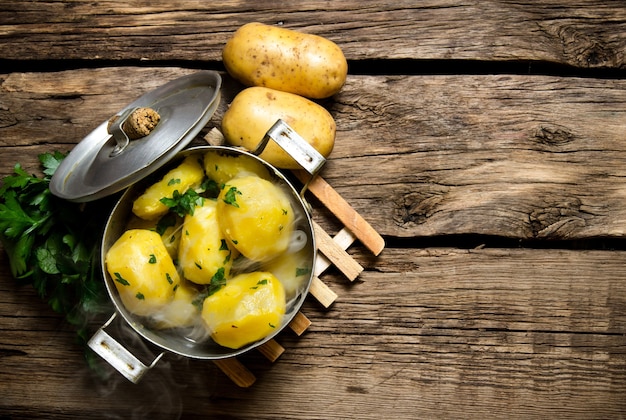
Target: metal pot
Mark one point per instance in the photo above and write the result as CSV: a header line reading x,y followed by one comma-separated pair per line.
x,y
168,340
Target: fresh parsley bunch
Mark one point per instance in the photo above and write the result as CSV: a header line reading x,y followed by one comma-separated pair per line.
x,y
53,244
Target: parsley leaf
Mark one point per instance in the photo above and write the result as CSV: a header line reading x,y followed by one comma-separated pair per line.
x,y
183,204
53,244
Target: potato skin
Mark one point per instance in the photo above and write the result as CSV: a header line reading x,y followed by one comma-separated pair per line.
x,y
255,110
284,59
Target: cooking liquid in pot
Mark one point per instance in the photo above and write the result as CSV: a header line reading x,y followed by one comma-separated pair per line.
x,y
181,318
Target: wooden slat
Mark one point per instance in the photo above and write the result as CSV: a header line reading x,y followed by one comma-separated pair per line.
x,y
236,371
474,333
575,33
511,162
336,254
300,323
271,349
344,212
322,292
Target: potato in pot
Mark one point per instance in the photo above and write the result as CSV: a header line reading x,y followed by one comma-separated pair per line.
x,y
256,217
143,271
203,250
188,174
247,309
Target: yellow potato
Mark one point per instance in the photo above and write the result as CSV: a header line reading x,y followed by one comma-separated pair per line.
x,y
222,167
142,270
188,174
170,235
247,309
181,311
256,217
292,269
203,250
284,59
255,110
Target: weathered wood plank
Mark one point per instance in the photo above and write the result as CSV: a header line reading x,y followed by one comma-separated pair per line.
x,y
576,33
443,333
529,157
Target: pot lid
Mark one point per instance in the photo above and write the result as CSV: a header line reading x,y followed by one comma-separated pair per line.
x,y
104,163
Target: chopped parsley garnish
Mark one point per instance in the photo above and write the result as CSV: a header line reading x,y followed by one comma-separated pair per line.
x,y
271,325
259,283
183,204
224,245
169,278
302,271
231,196
210,187
173,181
140,296
121,280
152,259
198,265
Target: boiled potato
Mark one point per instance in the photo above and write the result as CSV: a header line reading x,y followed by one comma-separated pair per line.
x,y
181,311
247,309
255,110
256,217
142,270
222,167
188,174
293,269
170,234
284,59
203,250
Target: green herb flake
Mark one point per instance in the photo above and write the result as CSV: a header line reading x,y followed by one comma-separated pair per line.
x,y
231,196
183,204
173,181
140,296
259,283
198,265
224,245
121,280
217,281
271,325
302,271
169,278
152,259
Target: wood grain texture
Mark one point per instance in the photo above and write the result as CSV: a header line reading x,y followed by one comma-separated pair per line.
x,y
437,332
527,157
574,33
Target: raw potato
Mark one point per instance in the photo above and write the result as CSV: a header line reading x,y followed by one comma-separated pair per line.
x,y
188,174
142,270
203,250
255,110
284,59
256,217
247,309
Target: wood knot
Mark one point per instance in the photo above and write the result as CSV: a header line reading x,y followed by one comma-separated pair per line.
x,y
559,219
553,135
418,207
583,49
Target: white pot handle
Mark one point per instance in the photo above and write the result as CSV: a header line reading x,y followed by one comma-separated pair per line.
x,y
118,356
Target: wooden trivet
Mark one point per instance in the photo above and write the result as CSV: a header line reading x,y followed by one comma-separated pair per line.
x,y
332,251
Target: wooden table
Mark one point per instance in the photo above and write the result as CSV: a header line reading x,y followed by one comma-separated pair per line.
x,y
485,141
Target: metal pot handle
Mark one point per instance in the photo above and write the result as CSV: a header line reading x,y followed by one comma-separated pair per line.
x,y
292,143
118,356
